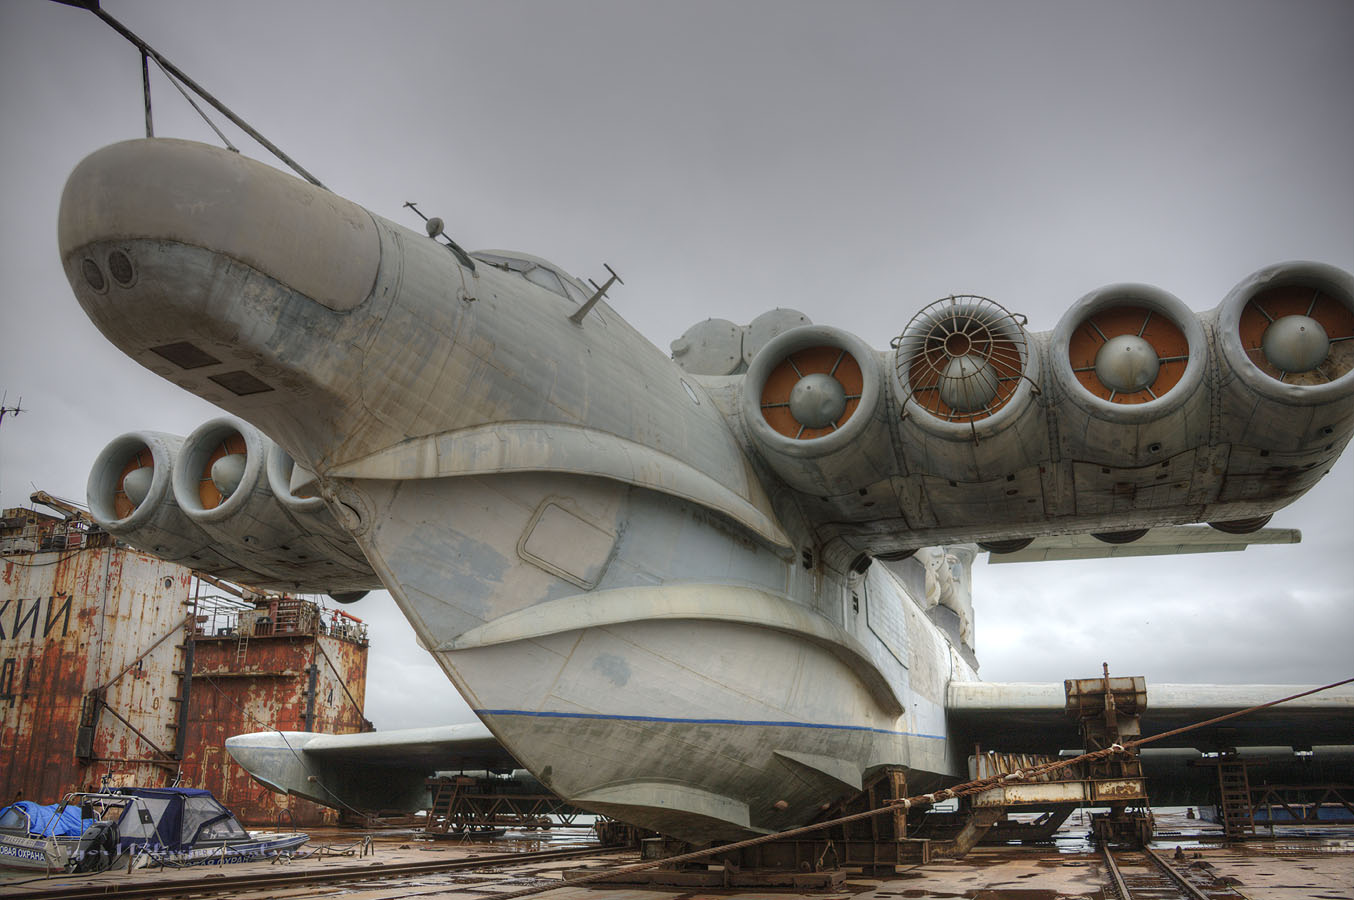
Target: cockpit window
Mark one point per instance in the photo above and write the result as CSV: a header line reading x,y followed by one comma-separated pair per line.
x,y
546,279
537,274
504,262
574,293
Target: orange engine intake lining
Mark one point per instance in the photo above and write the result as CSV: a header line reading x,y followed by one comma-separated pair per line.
x,y
809,361
1295,300
1164,335
206,488
122,504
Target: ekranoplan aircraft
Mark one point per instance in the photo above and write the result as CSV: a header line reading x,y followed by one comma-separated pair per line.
x,y
704,593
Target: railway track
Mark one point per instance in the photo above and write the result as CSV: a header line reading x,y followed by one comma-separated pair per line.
x,y
211,884
1145,875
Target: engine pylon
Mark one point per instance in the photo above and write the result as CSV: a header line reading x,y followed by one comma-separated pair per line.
x,y
208,502
221,482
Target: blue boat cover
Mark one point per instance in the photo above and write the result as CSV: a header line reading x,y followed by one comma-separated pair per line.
x,y
43,820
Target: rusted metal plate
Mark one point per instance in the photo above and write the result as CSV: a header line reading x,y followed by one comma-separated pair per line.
x,y
1034,794
71,622
1130,693
992,763
267,685
1119,789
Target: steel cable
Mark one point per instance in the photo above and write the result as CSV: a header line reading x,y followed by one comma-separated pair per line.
x,y
977,786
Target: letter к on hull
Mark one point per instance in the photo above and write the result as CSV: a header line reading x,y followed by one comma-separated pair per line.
x,y
661,608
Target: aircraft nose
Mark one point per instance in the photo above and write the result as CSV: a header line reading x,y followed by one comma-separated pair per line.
x,y
180,192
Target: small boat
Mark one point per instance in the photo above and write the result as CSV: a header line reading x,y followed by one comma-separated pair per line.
x,y
92,831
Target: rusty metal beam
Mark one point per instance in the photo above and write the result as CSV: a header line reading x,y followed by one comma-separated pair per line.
x,y
341,678
187,620
117,715
224,585
270,673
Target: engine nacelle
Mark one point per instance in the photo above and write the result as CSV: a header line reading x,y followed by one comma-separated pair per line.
x,y
130,495
813,405
209,502
1130,361
221,483
323,532
966,374
1286,338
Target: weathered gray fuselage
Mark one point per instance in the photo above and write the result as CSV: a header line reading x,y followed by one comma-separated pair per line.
x,y
662,609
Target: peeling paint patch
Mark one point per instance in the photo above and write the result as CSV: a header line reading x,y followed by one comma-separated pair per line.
x,y
613,667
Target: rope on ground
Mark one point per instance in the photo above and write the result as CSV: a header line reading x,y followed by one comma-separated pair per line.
x,y
1022,776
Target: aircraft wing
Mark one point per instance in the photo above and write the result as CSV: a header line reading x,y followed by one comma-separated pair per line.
x,y
1030,718
1165,541
373,770
438,749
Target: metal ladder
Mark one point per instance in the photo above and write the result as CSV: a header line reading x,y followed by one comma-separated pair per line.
x,y
1234,799
442,810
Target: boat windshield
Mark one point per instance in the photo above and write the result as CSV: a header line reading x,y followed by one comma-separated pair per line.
x,y
14,818
214,820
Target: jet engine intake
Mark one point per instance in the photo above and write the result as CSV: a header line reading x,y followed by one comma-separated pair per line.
x,y
130,495
812,402
966,373
208,502
222,482
1286,341
1130,359
1293,323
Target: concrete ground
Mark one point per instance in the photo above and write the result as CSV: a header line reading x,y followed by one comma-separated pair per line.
x,y
1288,866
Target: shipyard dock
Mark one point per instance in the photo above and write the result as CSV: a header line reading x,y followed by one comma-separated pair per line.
x,y
118,668
1293,864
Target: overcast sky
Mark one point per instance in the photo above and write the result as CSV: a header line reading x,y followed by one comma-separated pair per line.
x,y
854,161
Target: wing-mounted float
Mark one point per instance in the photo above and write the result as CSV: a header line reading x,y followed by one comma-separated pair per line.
x,y
1133,412
372,770
220,501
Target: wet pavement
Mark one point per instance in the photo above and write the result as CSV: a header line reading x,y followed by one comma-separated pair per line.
x,y
1293,864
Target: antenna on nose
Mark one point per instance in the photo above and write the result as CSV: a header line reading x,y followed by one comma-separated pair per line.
x,y
577,317
435,229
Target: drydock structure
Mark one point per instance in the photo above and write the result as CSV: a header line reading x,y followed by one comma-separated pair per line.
x,y
119,668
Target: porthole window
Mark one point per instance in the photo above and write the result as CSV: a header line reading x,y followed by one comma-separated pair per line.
x,y
120,267
93,275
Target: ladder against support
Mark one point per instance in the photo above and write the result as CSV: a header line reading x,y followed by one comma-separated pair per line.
x,y
1234,798
445,792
